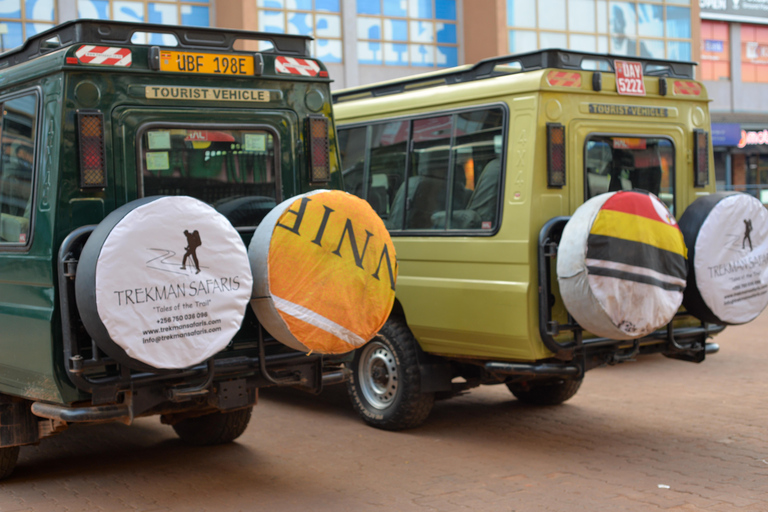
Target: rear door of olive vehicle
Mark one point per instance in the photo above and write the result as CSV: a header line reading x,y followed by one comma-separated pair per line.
x,y
648,147
646,142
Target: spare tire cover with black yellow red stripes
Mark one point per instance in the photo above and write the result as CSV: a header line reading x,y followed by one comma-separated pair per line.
x,y
727,238
324,272
621,265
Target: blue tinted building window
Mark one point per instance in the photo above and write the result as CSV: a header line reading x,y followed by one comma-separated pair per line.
x,y
394,8
21,19
167,12
445,10
13,37
368,8
678,22
637,28
320,19
407,32
327,5
41,10
195,16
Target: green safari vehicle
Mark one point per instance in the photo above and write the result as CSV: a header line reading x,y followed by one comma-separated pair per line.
x,y
98,117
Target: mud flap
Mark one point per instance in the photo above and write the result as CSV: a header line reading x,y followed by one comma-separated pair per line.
x,y
435,377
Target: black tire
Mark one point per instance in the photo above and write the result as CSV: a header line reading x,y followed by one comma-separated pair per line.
x,y
385,386
215,428
9,455
552,392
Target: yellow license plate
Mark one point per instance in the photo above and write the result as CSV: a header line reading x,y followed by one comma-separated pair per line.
x,y
210,63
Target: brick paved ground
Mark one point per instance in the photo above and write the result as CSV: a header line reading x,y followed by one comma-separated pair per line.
x,y
697,430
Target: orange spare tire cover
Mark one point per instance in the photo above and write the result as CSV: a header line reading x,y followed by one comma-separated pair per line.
x,y
324,272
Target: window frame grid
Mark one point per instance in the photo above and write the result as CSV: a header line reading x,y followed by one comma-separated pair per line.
x,y
23,20
145,10
638,39
756,69
434,20
285,11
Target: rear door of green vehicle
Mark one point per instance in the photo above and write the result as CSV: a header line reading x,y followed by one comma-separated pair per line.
x,y
241,161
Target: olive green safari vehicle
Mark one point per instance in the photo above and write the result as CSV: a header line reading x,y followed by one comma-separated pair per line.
x,y
476,171
101,121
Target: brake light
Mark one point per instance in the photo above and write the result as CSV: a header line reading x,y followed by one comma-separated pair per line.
x,y
555,155
319,158
92,158
701,158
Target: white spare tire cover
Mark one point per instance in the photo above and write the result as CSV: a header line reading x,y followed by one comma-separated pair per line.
x,y
727,238
621,265
324,272
163,283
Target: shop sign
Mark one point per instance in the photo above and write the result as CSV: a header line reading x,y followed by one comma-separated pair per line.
x,y
713,46
735,10
726,134
756,52
753,138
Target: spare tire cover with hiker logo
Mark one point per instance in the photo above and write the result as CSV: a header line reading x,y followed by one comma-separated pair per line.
x,y
324,272
621,265
727,238
163,283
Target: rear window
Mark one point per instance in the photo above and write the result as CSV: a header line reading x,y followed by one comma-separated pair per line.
x,y
234,170
615,163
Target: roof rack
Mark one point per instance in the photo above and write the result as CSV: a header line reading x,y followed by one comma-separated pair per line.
x,y
120,33
540,59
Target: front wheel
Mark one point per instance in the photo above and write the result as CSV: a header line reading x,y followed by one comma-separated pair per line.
x,y
215,428
552,392
385,387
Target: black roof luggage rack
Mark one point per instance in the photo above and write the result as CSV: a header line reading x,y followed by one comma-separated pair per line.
x,y
105,32
540,59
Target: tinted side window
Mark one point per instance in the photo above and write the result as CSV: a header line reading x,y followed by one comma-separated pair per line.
x,y
454,165
352,150
378,177
388,156
17,142
424,193
477,169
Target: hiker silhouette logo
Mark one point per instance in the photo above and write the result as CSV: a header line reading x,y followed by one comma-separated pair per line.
x,y
193,242
747,231
167,260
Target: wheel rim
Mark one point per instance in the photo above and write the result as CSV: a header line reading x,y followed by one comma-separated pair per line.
x,y
378,375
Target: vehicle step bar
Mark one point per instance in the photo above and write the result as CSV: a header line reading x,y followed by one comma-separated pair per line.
x,y
90,414
533,370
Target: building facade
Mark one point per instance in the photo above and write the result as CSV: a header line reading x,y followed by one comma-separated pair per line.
x,y
364,41
734,66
